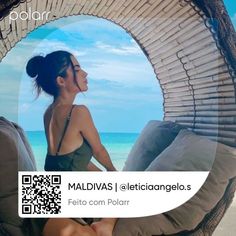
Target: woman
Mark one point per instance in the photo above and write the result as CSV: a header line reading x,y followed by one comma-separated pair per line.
x,y
71,135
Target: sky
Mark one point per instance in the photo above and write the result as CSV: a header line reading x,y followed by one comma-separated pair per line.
x,y
123,94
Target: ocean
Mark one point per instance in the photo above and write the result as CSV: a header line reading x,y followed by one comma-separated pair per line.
x,y
118,146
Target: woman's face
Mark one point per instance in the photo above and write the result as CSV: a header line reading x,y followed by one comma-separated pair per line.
x,y
80,75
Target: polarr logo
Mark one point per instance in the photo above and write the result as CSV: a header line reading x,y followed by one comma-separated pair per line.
x,y
28,15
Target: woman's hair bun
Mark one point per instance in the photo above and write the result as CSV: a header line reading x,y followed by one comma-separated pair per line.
x,y
34,65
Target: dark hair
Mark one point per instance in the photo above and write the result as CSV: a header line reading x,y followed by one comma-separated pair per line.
x,y
45,70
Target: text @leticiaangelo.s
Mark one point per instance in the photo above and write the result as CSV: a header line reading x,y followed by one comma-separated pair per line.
x,y
115,187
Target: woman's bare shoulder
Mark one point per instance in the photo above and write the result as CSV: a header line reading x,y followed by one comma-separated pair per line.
x,y
81,110
47,113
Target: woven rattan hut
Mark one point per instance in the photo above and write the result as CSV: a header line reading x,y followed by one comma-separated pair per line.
x,y
191,46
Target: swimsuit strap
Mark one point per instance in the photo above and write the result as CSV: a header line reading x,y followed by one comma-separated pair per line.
x,y
64,131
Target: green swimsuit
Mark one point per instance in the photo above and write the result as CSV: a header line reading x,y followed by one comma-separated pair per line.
x,y
76,160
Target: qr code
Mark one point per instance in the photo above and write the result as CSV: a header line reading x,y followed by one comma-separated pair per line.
x,y
41,194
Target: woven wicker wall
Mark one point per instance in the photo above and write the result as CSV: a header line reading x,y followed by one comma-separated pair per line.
x,y
192,61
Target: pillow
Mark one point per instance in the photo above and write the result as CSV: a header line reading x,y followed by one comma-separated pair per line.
x,y
183,154
188,152
12,150
154,138
27,147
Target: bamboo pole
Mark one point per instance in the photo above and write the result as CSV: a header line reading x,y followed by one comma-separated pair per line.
x,y
39,9
139,24
128,10
136,13
214,95
214,107
57,8
28,6
67,7
189,95
64,8
200,102
84,7
110,5
111,10
32,23
120,8
10,38
18,25
7,30
2,48
94,7
23,7
183,94
76,9
73,9
207,120
129,20
201,113
224,88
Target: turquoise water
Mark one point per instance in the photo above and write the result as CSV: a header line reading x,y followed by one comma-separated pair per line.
x,y
118,146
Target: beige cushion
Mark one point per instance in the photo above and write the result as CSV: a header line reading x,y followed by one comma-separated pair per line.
x,y
188,152
154,138
13,149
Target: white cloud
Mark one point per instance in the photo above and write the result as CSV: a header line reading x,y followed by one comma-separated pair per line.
x,y
125,72
47,46
18,56
122,50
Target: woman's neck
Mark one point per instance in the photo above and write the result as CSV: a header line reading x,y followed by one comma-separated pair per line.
x,y
64,99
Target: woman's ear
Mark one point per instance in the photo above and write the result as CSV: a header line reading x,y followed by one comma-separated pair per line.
x,y
60,81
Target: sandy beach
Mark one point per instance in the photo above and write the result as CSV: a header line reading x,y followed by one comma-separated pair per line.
x,y
227,226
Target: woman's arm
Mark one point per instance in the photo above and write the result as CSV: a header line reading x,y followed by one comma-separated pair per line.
x,y
90,133
92,167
